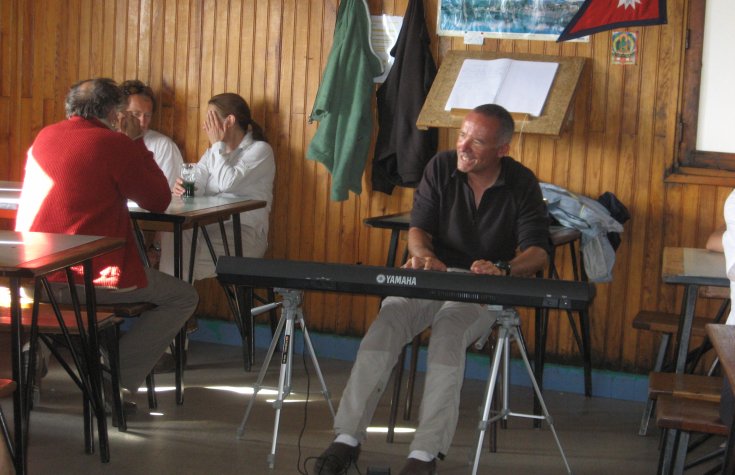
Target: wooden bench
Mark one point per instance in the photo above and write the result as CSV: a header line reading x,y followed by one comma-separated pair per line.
x,y
685,386
685,416
667,324
107,329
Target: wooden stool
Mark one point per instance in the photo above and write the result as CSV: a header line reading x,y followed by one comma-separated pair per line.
x,y
48,324
679,417
684,386
667,324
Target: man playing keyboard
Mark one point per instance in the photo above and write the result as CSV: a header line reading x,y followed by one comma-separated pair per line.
x,y
477,209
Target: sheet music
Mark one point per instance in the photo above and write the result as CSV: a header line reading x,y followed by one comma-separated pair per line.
x,y
519,86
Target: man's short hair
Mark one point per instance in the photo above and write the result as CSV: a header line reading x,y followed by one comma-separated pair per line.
x,y
93,98
507,125
134,86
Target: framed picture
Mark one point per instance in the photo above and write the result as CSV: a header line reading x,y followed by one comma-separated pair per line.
x,y
513,19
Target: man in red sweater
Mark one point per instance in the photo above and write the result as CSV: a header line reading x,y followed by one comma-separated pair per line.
x,y
80,173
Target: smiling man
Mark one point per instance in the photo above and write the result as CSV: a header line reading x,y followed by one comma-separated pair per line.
x,y
475,209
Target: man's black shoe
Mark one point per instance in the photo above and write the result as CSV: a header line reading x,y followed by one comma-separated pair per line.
x,y
418,467
337,459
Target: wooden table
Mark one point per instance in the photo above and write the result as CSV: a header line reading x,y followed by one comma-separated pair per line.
x,y
723,340
34,256
692,268
195,213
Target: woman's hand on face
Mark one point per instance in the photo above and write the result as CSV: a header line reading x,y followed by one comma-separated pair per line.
x,y
214,127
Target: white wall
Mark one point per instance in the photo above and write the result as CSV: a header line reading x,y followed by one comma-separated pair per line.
x,y
716,124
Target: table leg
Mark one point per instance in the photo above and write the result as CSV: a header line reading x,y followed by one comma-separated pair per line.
x,y
95,368
392,248
685,326
729,463
19,402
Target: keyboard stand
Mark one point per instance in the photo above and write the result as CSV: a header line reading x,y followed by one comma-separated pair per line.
x,y
290,315
508,323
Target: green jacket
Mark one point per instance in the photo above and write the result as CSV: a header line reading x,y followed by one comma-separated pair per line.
x,y
342,104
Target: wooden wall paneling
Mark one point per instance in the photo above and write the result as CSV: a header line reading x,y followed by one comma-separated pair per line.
x,y
274,54
179,80
121,31
6,161
167,82
104,25
212,60
216,26
231,74
132,39
163,28
690,215
260,57
9,58
247,41
51,25
194,143
25,44
600,63
155,25
7,46
144,64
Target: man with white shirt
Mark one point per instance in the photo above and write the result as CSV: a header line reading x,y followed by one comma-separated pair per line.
x,y
141,103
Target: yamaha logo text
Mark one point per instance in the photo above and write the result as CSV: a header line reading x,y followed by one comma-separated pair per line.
x,y
396,279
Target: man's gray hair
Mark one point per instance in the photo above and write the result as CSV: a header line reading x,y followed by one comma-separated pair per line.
x,y
93,98
507,124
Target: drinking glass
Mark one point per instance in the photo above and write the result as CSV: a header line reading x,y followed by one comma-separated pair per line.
x,y
188,177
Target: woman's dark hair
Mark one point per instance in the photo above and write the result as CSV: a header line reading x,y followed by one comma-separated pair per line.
x,y
133,86
93,98
230,103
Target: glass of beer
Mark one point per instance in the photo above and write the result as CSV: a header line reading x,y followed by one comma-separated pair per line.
x,y
188,177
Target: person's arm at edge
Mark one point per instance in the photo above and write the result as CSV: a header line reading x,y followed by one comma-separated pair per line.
x,y
714,241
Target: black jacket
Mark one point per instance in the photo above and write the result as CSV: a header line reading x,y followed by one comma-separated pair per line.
x,y
402,150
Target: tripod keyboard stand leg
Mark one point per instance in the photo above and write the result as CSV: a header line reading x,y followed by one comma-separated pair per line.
x,y
509,324
291,314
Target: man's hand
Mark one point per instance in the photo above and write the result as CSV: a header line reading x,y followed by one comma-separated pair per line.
x,y
485,267
129,125
214,127
178,188
424,263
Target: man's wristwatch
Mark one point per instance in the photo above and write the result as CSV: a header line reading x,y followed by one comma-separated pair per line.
x,y
504,266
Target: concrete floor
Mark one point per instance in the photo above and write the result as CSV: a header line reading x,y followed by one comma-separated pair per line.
x,y
599,436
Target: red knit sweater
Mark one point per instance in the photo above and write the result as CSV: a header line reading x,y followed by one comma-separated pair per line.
x,y
79,177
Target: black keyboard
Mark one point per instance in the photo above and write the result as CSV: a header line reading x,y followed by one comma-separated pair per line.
x,y
384,281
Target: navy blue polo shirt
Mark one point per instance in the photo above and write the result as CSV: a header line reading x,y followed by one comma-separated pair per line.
x,y
512,214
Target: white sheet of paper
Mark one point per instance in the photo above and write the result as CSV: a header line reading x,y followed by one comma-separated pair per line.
x,y
519,86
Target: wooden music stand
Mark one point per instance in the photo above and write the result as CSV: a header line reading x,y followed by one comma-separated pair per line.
x,y
550,122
